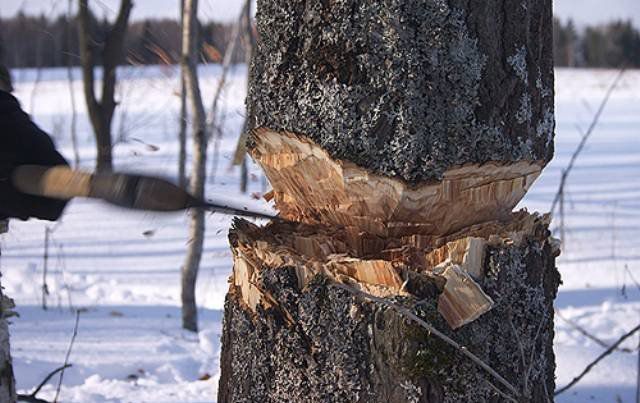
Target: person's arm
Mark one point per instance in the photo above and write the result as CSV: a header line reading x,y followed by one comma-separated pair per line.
x,y
24,143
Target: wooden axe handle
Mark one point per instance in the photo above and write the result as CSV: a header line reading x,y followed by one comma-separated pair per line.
x,y
133,191
59,182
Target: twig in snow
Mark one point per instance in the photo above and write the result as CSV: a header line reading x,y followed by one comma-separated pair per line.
x,y
588,335
585,137
597,360
45,266
626,268
31,397
407,313
66,357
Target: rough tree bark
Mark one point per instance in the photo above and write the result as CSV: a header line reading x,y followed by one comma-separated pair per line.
x,y
198,174
111,52
398,137
7,381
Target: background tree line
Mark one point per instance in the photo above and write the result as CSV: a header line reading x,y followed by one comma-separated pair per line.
x,y
616,44
152,41
157,41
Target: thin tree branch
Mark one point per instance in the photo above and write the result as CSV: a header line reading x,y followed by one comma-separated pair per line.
x,y
407,313
66,357
501,393
597,360
586,136
626,268
31,397
527,374
588,335
226,63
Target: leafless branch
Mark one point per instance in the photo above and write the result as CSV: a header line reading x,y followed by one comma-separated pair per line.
x,y
72,94
584,139
588,368
527,374
517,335
626,268
588,335
226,63
66,357
407,313
45,267
501,393
31,397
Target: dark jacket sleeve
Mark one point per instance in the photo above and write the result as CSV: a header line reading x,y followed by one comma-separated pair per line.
x,y
22,143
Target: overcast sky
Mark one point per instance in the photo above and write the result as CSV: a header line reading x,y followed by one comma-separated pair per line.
x,y
581,11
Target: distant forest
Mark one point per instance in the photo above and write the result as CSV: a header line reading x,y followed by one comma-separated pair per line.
x,y
29,41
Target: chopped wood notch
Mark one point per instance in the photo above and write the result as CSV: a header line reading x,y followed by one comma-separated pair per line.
x,y
309,186
376,233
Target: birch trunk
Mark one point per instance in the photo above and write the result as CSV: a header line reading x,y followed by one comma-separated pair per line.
x,y
198,174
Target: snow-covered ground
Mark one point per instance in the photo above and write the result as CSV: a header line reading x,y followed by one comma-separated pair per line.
x,y
123,266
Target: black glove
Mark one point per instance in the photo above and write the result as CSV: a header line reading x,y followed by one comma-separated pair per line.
x,y
23,143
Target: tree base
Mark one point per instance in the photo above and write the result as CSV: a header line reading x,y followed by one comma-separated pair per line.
x,y
290,335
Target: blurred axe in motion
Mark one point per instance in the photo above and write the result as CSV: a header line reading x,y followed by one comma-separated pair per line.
x,y
132,191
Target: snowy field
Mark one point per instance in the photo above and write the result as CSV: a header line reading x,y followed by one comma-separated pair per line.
x,y
122,267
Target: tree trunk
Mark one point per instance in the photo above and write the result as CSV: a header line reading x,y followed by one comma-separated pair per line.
x,y
72,93
7,381
101,111
398,138
198,174
182,133
240,157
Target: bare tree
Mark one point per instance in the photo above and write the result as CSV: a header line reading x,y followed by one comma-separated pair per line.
x,y
240,154
189,64
203,127
72,94
182,133
250,44
111,52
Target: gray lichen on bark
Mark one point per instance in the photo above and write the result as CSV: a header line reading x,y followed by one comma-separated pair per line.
x,y
340,348
407,88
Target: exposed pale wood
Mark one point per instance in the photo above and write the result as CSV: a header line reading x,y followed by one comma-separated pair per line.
x,y
468,253
462,300
314,249
309,186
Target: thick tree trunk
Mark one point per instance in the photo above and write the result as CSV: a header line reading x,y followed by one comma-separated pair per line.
x,y
399,137
7,381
